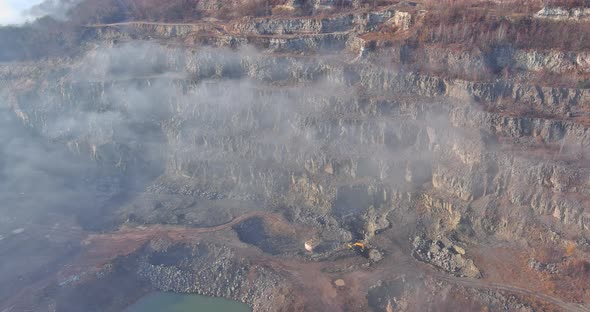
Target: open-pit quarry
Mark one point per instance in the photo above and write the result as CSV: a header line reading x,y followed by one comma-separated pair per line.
x,y
297,155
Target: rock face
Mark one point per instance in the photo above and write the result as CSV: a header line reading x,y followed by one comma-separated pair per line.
x,y
542,267
564,14
210,270
352,122
448,258
375,255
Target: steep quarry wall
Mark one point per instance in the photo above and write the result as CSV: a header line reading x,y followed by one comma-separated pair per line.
x,y
342,123
255,145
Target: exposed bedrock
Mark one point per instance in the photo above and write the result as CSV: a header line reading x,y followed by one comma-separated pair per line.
x,y
262,147
211,270
299,155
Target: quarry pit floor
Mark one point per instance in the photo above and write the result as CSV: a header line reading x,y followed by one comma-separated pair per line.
x,y
314,281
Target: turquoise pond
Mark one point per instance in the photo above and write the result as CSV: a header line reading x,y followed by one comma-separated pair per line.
x,y
171,302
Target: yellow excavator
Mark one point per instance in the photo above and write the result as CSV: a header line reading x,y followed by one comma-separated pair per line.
x,y
357,245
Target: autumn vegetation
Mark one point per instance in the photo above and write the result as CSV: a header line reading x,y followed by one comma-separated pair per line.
x,y
474,26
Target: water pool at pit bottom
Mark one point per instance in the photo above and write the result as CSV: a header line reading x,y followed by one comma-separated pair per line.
x,y
172,302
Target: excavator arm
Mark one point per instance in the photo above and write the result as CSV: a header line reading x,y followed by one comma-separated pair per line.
x,y
357,244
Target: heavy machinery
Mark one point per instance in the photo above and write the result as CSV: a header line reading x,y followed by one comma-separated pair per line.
x,y
363,249
357,246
